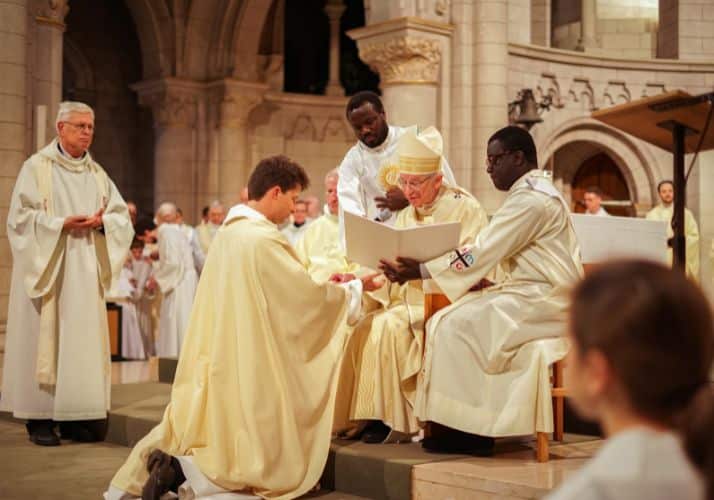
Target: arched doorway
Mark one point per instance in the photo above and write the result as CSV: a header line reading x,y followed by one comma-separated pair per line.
x,y
601,171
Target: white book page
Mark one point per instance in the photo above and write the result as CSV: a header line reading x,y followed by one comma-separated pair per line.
x,y
369,241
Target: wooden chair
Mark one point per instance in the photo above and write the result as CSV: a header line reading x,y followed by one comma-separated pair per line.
x,y
433,302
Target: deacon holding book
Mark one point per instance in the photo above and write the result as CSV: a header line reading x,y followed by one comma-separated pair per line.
x,y
368,170
386,350
487,355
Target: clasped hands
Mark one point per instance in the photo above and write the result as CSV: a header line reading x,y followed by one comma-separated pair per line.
x,y
75,223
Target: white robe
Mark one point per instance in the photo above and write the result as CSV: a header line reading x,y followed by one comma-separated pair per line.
x,y
358,183
636,464
198,256
487,355
177,280
691,235
125,295
294,233
79,267
142,270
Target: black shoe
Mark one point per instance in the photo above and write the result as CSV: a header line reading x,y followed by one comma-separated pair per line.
x,y
459,442
165,475
375,432
42,432
84,431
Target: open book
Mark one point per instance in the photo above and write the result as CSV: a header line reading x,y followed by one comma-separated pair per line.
x,y
368,241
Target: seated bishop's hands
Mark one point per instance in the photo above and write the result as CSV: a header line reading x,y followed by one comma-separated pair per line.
x,y
403,270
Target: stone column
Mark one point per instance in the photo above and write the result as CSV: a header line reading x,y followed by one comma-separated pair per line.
x,y
490,98
47,67
231,102
174,105
409,55
13,127
588,25
334,10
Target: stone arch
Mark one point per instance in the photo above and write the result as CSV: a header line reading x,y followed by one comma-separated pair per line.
x,y
585,137
247,37
153,27
202,25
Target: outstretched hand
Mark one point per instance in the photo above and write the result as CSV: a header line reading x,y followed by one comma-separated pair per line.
x,y
403,270
394,200
370,282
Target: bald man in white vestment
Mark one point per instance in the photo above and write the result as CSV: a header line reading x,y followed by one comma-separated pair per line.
x,y
177,279
485,371
69,231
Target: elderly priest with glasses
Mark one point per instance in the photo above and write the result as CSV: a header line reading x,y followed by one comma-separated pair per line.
x,y
386,351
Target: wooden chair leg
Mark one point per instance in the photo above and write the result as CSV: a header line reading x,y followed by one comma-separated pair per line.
x,y
558,418
542,447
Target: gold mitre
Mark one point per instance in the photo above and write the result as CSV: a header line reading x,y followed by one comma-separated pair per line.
x,y
420,154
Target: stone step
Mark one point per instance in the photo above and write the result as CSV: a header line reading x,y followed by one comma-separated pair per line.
x,y
390,471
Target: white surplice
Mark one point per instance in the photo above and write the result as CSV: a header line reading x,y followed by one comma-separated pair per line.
x,y
294,233
198,256
177,280
636,464
487,355
76,268
124,294
358,183
142,269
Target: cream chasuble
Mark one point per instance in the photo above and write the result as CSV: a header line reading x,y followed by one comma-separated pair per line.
x,y
205,232
57,362
386,350
177,280
253,398
487,355
691,234
320,249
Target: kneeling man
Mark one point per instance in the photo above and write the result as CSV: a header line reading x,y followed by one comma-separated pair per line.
x,y
487,355
386,350
252,403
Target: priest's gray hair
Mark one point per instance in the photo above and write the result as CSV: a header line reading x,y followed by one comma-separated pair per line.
x,y
166,209
332,174
216,204
66,108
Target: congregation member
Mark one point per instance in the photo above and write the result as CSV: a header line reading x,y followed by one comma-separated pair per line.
x,y
500,338
142,270
208,229
644,376
176,278
313,207
125,294
593,202
68,227
298,224
367,184
387,345
252,403
664,212
192,235
319,248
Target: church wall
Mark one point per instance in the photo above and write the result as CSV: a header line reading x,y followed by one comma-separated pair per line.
x,y
311,130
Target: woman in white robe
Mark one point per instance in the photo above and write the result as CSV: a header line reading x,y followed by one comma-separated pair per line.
x,y
642,342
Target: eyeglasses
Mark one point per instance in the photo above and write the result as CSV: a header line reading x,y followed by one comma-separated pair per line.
x,y
492,160
414,184
82,126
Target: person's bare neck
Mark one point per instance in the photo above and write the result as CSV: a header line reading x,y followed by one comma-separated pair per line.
x,y
75,153
260,207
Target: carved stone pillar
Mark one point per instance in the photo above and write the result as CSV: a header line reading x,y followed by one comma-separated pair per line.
x,y
174,104
47,66
230,105
13,128
588,25
411,56
334,10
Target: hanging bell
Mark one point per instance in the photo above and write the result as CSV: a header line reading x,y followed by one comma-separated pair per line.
x,y
528,115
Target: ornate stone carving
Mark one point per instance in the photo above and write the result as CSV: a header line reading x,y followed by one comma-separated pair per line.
x,y
335,129
549,87
406,59
653,88
616,92
582,91
52,11
171,108
302,129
